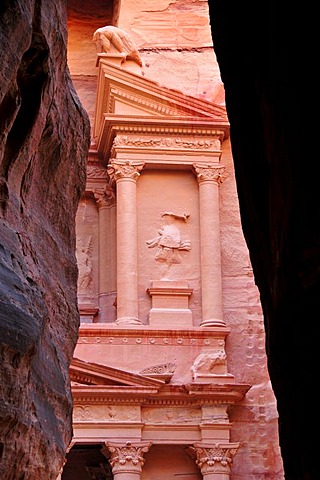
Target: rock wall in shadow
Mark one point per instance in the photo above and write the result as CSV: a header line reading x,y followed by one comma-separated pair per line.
x,y
44,140
269,91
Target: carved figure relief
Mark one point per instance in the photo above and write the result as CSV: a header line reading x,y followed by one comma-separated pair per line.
x,y
207,363
110,39
106,413
170,241
169,415
84,257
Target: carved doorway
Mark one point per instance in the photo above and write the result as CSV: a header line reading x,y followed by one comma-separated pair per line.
x,y
86,462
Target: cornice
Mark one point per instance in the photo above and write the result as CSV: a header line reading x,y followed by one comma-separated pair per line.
x,y
174,395
106,333
114,395
97,374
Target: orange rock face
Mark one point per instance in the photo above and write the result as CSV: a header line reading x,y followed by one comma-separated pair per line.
x,y
44,138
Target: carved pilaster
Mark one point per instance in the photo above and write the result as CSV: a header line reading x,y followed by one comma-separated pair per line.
x,y
106,201
127,458
214,459
212,173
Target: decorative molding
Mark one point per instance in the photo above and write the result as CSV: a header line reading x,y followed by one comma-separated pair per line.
x,y
167,394
166,142
114,334
96,172
97,374
145,102
163,372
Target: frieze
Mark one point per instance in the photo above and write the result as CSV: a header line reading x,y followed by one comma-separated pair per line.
x,y
165,142
106,413
97,172
171,415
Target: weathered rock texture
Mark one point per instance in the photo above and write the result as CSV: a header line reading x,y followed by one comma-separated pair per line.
x,y
268,89
44,138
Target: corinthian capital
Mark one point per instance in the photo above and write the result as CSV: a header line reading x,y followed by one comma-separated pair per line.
x,y
124,169
128,457
213,173
105,197
215,458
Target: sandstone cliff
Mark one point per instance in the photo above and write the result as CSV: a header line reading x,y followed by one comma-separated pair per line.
x,y
44,139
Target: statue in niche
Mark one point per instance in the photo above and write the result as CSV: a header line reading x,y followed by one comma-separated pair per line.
x,y
112,39
170,242
84,258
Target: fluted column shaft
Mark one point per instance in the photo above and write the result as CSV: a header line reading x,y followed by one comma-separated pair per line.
x,y
125,175
106,202
209,179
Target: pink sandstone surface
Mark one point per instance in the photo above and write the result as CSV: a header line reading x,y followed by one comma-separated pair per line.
x,y
186,63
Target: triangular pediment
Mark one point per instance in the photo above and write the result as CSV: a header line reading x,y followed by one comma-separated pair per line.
x,y
121,92
88,373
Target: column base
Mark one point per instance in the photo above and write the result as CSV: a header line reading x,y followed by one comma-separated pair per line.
x,y
128,321
213,322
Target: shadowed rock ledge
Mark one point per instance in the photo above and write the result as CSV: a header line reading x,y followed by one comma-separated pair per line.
x,y
44,140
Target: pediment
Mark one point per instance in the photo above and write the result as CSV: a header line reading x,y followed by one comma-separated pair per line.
x,y
124,93
94,374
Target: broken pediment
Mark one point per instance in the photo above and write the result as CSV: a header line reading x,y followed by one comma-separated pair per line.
x,y
88,373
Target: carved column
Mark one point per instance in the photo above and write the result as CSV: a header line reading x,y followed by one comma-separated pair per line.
x,y
209,178
127,459
106,201
125,175
215,461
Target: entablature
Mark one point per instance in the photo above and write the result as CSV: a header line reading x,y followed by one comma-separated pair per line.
x,y
161,142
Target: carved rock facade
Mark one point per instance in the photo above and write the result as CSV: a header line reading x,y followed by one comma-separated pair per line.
x,y
169,374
